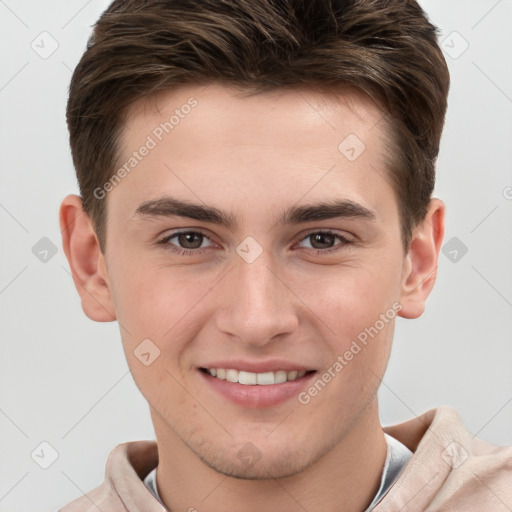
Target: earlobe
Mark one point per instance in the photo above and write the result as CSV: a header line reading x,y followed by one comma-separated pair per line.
x,y
86,261
420,265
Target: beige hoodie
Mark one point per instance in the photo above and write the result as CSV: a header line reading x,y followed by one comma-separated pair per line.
x,y
449,471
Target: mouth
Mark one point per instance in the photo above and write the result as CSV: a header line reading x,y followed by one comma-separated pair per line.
x,y
256,389
255,379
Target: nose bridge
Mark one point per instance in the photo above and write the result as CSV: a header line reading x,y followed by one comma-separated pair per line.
x,y
260,283
257,305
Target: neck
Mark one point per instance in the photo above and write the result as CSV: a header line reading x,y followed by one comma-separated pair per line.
x,y
345,479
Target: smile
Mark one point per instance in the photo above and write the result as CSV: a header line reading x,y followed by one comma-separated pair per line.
x,y
255,379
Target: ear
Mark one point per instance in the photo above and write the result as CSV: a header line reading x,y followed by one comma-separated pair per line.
x,y
86,261
420,265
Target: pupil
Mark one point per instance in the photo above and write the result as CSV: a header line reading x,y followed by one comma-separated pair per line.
x,y
186,240
322,241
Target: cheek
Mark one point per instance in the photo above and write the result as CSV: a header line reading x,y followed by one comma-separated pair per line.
x,y
356,308
351,299
160,312
153,301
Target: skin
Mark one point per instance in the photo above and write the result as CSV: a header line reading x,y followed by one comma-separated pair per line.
x,y
253,158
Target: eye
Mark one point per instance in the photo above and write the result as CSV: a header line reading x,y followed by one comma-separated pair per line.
x,y
324,241
187,242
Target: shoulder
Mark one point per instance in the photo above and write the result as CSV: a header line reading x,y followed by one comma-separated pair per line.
x,y
450,469
127,465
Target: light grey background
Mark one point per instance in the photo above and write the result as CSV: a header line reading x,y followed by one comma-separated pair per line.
x,y
64,379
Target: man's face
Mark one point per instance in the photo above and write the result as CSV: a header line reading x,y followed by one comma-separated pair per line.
x,y
274,287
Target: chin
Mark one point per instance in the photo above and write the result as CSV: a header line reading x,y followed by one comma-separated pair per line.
x,y
261,467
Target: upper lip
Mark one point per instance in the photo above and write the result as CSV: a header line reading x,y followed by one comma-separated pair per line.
x,y
272,365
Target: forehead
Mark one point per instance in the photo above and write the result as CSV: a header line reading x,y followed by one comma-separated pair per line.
x,y
278,110
204,140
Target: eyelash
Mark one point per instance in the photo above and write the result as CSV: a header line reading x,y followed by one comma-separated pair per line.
x,y
190,252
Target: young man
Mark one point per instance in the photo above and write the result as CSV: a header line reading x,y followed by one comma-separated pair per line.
x,y
255,211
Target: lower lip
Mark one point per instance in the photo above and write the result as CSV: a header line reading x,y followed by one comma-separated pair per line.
x,y
257,396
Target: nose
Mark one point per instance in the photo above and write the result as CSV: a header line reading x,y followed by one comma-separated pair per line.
x,y
256,306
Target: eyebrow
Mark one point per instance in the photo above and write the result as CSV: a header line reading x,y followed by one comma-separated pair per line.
x,y
171,207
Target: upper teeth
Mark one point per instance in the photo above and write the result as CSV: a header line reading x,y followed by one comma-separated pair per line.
x,y
250,378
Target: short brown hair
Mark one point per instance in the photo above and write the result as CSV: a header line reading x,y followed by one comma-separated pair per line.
x,y
386,49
